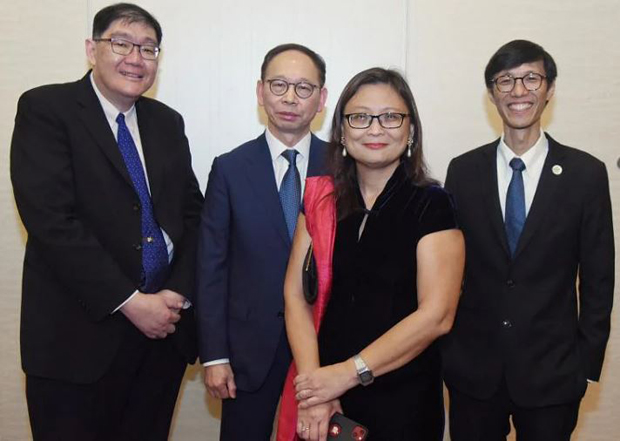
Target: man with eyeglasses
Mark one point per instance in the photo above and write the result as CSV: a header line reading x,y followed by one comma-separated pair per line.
x,y
104,185
251,205
534,314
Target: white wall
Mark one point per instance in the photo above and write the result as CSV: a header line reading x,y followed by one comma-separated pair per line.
x,y
210,63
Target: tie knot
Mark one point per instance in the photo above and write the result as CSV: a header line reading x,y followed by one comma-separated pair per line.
x,y
517,164
290,155
120,119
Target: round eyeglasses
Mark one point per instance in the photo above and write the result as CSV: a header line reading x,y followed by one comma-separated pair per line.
x,y
388,120
303,89
124,47
532,82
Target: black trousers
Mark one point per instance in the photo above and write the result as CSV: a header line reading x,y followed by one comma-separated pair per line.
x,y
489,420
250,416
133,401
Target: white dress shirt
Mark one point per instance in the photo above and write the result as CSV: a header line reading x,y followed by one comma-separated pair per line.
x,y
280,166
131,120
534,159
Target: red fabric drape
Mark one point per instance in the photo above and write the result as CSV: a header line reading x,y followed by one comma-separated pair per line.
x,y
320,210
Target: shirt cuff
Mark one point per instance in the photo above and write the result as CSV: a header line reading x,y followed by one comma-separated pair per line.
x,y
216,362
128,299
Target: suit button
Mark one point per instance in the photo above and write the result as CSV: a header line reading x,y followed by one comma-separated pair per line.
x,y
280,314
510,283
506,324
137,246
136,207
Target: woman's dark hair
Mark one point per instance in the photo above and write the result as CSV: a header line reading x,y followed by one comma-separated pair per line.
x,y
343,169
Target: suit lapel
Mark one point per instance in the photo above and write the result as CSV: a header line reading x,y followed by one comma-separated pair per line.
x,y
488,172
545,196
154,157
259,171
316,160
96,123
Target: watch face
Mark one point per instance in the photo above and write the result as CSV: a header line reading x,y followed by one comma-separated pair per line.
x,y
366,378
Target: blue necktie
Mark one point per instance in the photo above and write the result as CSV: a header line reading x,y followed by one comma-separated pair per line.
x,y
515,205
154,249
290,191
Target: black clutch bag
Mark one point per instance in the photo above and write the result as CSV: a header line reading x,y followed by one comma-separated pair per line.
x,y
309,278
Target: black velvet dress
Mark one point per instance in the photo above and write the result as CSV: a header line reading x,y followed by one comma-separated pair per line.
x,y
374,287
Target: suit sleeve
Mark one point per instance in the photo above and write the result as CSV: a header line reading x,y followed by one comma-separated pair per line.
x,y
43,184
596,273
450,184
183,270
212,268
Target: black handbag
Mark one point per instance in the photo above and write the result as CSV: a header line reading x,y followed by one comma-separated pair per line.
x,y
309,279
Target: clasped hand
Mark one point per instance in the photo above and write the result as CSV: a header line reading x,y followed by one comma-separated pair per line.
x,y
323,385
155,314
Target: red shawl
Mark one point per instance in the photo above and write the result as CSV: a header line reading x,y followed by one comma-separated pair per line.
x,y
320,211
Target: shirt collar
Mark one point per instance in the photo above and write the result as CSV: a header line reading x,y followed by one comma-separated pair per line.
x,y
111,112
277,147
539,148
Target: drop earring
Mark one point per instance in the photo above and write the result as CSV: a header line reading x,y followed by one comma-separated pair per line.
x,y
409,144
344,150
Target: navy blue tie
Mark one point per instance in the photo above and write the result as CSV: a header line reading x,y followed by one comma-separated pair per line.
x,y
154,249
290,191
515,205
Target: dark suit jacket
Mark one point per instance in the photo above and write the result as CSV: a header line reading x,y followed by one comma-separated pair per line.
x,y
242,258
82,216
524,318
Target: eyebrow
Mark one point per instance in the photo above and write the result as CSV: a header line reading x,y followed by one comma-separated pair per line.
x,y
288,79
364,109
128,37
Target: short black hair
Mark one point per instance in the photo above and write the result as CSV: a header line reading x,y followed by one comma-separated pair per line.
x,y
516,53
318,61
127,12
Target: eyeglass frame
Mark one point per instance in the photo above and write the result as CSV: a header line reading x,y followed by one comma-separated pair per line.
x,y
347,116
112,40
514,81
288,85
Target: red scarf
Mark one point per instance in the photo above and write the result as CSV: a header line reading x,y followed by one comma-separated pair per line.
x,y
320,211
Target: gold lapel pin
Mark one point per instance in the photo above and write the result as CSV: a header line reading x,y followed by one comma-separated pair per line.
x,y
557,170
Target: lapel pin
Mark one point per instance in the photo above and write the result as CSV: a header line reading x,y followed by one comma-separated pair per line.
x,y
557,170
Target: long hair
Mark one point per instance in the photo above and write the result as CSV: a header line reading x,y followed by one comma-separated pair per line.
x,y
343,169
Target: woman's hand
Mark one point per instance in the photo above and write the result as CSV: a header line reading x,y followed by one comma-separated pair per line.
x,y
313,422
325,384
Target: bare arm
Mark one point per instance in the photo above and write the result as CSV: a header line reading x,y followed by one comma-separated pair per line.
x,y
440,262
298,313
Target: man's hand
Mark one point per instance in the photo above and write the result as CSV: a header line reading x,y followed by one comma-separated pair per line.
x,y
154,314
220,381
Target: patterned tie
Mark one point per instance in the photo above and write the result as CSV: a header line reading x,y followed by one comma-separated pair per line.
x,y
515,205
290,191
154,249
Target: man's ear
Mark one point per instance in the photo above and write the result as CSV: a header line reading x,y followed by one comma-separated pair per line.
x,y
259,92
91,51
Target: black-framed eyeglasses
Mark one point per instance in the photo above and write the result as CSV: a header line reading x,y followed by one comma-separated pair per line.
x,y
387,120
124,47
303,89
531,81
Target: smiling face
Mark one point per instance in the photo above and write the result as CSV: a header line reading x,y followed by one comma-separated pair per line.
x,y
122,79
376,147
521,109
290,116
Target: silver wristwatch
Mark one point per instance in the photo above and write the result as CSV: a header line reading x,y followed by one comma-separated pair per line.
x,y
364,374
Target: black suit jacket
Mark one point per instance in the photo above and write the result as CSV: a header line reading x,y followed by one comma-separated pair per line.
x,y
82,216
243,253
525,318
